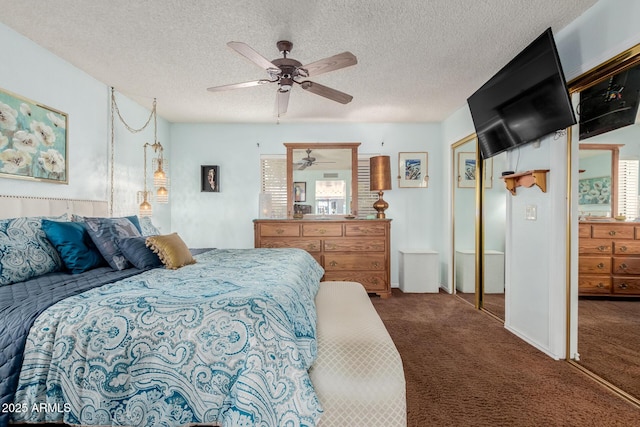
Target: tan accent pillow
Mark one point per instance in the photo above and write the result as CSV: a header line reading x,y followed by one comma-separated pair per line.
x,y
171,250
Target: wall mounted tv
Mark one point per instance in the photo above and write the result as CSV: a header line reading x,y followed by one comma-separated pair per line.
x,y
610,104
527,99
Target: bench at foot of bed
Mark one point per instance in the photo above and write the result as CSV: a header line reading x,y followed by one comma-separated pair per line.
x,y
358,374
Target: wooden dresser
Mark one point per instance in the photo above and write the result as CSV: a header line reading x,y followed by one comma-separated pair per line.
x,y
609,259
349,250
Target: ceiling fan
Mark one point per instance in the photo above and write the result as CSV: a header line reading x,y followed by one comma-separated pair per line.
x,y
287,71
308,161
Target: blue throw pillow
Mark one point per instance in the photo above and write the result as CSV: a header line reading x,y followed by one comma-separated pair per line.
x,y
105,233
136,251
74,245
25,251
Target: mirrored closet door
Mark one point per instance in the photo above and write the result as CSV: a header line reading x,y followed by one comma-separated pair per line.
x,y
606,193
465,222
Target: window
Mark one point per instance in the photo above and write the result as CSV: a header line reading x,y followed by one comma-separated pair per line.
x,y
628,188
366,197
273,172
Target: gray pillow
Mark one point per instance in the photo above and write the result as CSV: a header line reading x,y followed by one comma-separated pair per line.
x,y
105,234
137,253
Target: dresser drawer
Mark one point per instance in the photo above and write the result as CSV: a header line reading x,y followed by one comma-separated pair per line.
x,y
368,228
322,230
626,285
626,265
594,284
371,280
618,231
308,245
594,264
595,246
279,230
584,230
334,262
354,245
624,247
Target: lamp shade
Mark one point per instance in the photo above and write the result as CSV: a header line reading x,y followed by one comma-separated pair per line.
x,y
380,173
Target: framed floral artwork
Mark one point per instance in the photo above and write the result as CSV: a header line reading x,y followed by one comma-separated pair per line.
x,y
33,140
413,170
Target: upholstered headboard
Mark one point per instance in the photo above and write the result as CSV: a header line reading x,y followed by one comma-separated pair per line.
x,y
19,206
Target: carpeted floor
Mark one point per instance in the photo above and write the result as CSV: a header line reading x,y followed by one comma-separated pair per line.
x,y
464,369
609,340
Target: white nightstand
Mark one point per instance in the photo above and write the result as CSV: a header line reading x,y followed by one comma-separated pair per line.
x,y
419,270
466,271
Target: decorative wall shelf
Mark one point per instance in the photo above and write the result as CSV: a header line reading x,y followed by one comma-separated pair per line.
x,y
526,179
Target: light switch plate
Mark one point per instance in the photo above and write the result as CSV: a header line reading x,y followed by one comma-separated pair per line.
x,y
531,213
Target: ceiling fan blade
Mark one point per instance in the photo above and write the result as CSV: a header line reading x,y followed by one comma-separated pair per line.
x,y
253,56
332,63
282,102
327,92
239,85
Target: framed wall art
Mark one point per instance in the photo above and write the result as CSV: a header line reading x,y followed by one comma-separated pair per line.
x,y
210,179
594,191
299,191
467,170
413,170
33,140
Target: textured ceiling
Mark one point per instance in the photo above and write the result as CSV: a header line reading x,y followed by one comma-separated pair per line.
x,y
418,60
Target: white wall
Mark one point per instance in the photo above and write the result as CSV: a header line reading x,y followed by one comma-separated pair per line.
x,y
43,77
225,219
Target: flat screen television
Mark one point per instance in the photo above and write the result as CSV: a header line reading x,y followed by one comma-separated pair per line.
x,y
610,104
527,99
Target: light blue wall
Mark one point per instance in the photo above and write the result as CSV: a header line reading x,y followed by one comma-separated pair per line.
x,y
225,219
43,77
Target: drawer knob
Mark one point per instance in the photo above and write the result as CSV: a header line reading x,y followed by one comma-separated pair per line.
x,y
623,266
322,231
600,285
279,231
623,286
312,246
333,263
602,248
612,233
623,248
330,246
376,264
600,266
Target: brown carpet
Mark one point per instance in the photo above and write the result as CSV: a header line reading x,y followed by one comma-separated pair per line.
x,y
609,340
464,369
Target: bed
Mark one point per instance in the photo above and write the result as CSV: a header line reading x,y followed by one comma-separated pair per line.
x,y
229,340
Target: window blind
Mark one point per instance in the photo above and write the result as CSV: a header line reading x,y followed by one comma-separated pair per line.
x,y
273,170
628,188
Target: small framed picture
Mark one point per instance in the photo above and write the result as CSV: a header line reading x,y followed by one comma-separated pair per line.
x,y
413,170
210,178
299,191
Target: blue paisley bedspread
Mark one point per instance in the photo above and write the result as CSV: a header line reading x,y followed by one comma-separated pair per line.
x,y
225,341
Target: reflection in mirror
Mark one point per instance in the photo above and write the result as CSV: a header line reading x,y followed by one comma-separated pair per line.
x,y
320,179
464,219
598,181
608,307
494,217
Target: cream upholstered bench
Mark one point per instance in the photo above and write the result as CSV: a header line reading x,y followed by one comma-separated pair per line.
x,y
358,374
